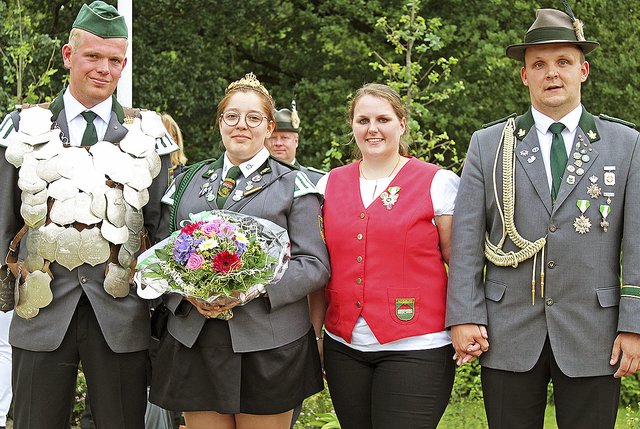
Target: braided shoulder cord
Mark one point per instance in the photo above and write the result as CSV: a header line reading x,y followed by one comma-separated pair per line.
x,y
494,252
182,187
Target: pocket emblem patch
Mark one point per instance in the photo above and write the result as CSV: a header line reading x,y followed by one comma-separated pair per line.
x,y
405,308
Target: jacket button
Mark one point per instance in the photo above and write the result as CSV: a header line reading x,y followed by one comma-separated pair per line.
x,y
551,264
359,258
83,279
553,228
358,304
549,302
359,236
362,215
359,280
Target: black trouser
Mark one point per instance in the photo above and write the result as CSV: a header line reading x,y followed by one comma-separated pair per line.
x,y
517,400
382,390
44,382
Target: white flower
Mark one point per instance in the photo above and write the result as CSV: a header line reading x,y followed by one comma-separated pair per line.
x,y
208,244
241,238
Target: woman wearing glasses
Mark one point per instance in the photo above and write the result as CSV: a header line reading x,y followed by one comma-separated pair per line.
x,y
252,370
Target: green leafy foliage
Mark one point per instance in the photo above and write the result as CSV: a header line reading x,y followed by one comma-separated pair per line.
x,y
630,390
215,254
326,421
27,56
421,76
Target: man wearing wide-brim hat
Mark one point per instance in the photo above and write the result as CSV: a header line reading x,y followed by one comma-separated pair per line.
x,y
547,203
74,212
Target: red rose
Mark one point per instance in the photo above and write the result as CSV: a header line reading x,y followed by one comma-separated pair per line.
x,y
189,228
226,261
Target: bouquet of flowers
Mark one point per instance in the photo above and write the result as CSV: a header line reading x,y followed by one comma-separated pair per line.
x,y
218,258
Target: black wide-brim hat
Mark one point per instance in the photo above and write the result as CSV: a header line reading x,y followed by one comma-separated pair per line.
x,y
552,27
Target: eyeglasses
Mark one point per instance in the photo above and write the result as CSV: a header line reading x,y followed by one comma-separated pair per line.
x,y
252,119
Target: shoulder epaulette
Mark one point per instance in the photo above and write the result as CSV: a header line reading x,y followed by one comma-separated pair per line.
x,y
489,124
6,127
618,120
303,185
131,112
285,163
24,106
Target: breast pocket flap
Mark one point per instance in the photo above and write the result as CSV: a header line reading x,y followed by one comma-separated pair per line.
x,y
608,296
494,291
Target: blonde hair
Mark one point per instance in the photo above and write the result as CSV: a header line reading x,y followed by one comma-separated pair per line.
x,y
177,157
388,94
75,38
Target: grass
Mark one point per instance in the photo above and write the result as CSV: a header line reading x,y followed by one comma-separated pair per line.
x,y
468,414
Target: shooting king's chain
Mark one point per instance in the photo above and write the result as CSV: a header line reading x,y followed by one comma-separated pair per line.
x,y
80,205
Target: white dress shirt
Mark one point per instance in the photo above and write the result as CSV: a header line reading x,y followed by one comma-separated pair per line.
x,y
543,122
77,124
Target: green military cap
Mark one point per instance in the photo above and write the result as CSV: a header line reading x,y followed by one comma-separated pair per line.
x,y
551,27
287,120
102,20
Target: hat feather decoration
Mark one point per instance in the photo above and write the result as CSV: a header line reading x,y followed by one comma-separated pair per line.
x,y
577,24
295,119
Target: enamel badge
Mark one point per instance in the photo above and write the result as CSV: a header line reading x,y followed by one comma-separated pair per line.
x,y
609,175
593,189
390,196
405,308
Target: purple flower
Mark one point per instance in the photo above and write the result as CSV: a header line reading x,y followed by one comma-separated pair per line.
x,y
241,248
228,230
182,248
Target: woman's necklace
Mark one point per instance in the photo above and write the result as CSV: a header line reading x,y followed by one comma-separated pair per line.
x,y
375,188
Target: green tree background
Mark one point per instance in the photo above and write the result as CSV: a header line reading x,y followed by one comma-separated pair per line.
x,y
319,52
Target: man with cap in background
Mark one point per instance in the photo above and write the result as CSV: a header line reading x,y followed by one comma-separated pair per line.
x,y
550,227
80,204
283,143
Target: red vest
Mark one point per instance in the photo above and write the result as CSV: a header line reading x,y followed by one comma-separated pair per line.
x,y
385,262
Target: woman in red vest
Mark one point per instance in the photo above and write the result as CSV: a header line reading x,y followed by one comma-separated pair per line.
x,y
387,220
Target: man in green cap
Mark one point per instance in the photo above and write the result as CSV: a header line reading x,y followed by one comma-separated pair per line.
x,y
283,143
547,202
81,202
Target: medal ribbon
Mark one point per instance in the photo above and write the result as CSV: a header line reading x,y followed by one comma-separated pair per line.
x,y
583,205
394,190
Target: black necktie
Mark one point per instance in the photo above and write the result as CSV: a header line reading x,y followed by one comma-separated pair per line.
x,y
558,158
90,136
226,186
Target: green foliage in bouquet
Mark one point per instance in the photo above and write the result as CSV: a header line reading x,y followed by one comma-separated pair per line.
x,y
213,255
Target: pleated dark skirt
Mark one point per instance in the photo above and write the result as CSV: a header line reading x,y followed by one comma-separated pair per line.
x,y
211,377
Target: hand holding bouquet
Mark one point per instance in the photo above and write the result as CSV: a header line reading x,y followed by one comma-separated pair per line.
x,y
217,260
